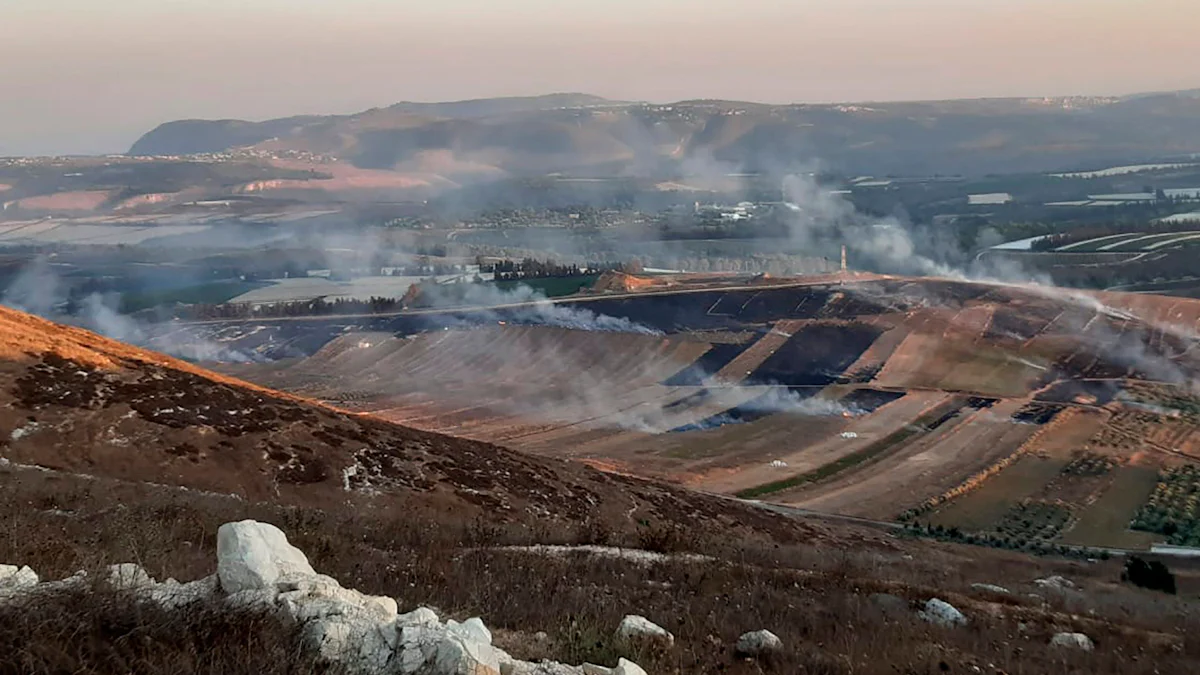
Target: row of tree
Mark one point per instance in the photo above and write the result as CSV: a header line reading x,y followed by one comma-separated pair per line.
x,y
316,307
530,268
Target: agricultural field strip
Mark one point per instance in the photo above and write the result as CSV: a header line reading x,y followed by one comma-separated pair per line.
x,y
916,465
813,453
1160,244
1114,245
745,363
982,509
955,324
1105,521
1145,442
1147,242
870,453
1088,243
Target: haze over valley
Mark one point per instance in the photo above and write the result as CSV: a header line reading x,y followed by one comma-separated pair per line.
x,y
893,366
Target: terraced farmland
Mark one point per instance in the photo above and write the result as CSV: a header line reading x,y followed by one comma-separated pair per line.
x,y
998,410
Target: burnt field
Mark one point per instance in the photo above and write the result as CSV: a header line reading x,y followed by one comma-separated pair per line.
x,y
880,395
817,354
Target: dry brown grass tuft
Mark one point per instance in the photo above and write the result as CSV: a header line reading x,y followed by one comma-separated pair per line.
x,y
99,630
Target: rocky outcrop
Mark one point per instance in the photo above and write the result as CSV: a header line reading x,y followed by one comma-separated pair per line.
x,y
991,588
1056,583
1072,641
942,613
638,632
758,644
357,633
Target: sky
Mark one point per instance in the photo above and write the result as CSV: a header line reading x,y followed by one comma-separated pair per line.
x,y
91,76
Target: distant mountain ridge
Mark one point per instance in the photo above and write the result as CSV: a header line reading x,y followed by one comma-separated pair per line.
x,y
583,133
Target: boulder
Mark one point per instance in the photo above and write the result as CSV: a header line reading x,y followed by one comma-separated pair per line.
x,y
420,617
253,555
1055,583
625,667
128,576
171,594
991,588
75,582
354,639
942,613
890,605
418,645
471,629
319,596
1072,641
639,632
13,578
457,655
758,643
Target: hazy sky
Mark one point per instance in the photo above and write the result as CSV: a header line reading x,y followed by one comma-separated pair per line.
x,y
90,76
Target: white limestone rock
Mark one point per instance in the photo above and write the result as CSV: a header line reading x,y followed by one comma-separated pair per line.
x,y
317,596
77,581
942,613
1072,641
131,577
419,617
471,629
15,579
459,656
638,631
354,639
758,643
625,667
171,594
1055,583
253,599
550,668
991,588
253,555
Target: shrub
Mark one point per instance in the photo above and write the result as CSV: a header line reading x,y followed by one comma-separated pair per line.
x,y
1152,575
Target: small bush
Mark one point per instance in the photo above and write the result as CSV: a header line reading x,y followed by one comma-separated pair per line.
x,y
1152,575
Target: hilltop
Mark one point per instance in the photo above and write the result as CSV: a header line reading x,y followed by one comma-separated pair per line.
x,y
585,134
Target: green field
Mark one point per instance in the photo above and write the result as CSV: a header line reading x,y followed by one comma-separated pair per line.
x,y
213,293
551,287
983,509
1106,521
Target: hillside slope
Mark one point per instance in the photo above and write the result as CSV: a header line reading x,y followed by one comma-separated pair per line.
x,y
580,133
75,402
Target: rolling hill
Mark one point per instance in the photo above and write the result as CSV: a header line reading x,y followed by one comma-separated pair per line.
x,y
78,403
583,134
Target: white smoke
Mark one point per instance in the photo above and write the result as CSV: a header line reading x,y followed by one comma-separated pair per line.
x,y
784,400
38,290
526,305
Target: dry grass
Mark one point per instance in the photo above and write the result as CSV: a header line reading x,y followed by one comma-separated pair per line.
x,y
815,598
101,630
